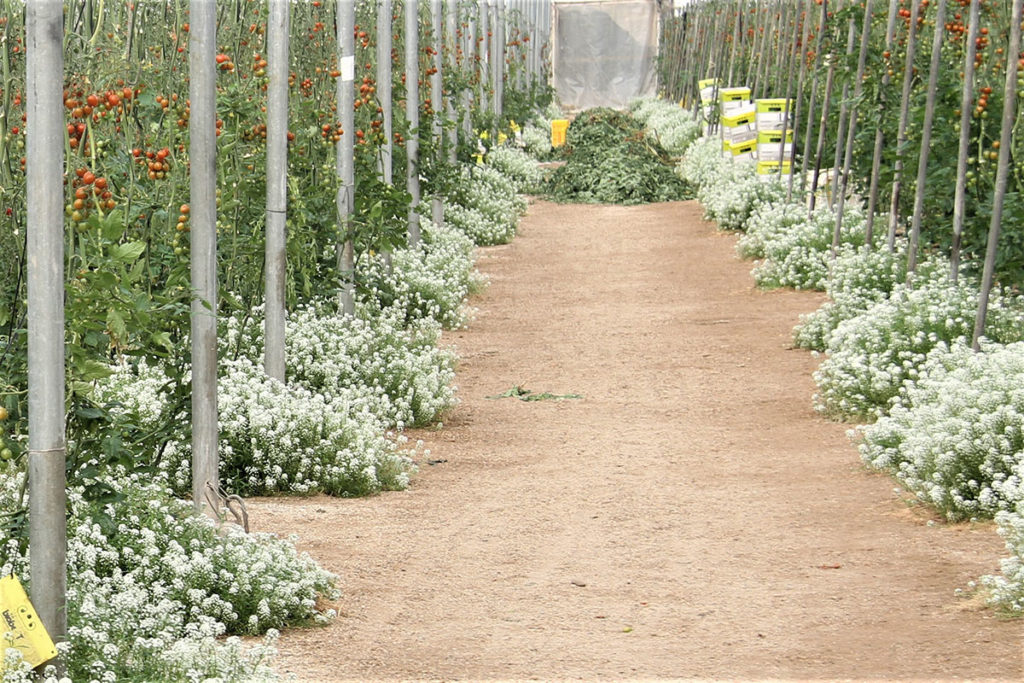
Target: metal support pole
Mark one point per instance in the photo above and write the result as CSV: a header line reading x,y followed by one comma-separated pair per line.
x,y
851,35
436,98
960,195
345,151
203,180
384,43
277,188
858,90
901,133
876,157
412,117
498,62
452,23
1002,173
926,135
44,29
484,45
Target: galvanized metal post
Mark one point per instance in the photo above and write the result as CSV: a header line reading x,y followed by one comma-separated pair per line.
x,y
484,45
851,35
412,117
452,41
967,98
805,31
44,81
497,62
926,135
384,43
901,133
277,188
345,151
203,182
472,65
822,27
876,157
858,90
436,98
1002,173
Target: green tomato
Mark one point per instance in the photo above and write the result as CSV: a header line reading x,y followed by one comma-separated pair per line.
x,y
6,454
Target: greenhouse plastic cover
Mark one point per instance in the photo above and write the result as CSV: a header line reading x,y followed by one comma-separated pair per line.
x,y
605,52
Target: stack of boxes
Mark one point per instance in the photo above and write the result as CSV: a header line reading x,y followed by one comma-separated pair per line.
x,y
753,130
774,142
739,123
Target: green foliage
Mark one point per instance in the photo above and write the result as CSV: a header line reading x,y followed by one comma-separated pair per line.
x,y
610,159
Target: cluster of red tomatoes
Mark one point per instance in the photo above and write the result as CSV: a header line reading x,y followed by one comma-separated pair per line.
x,y
158,164
331,133
90,192
80,107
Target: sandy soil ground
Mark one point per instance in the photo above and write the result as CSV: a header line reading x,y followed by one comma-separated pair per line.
x,y
689,517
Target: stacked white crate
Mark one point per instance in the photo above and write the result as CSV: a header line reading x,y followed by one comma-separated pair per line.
x,y
739,123
772,152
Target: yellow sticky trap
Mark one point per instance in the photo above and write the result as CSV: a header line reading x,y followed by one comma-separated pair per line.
x,y
484,135
513,126
480,159
20,626
501,138
559,128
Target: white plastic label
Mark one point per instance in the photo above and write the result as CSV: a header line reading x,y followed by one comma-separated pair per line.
x,y
348,68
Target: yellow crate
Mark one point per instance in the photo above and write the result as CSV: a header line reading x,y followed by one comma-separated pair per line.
x,y
773,137
558,129
734,94
772,168
707,83
739,149
765,106
726,145
743,117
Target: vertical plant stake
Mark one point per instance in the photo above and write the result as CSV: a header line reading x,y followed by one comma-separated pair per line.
x,y
1002,172
203,181
47,450
277,188
412,117
436,129
967,97
345,153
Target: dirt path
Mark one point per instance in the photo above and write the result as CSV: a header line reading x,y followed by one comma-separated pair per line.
x,y
690,517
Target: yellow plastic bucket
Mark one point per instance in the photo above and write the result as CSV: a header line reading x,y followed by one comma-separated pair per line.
x,y
558,129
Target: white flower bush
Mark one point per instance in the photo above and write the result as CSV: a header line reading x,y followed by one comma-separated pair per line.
x,y
860,279
955,436
537,140
276,437
702,164
486,206
769,222
518,166
397,374
1007,591
872,354
800,256
152,587
429,281
734,192
674,127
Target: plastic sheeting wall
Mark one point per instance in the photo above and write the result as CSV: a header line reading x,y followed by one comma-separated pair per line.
x,y
605,52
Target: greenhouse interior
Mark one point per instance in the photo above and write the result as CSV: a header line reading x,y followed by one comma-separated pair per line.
x,y
352,340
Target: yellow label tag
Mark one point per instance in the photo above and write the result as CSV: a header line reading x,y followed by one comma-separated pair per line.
x,y
20,627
